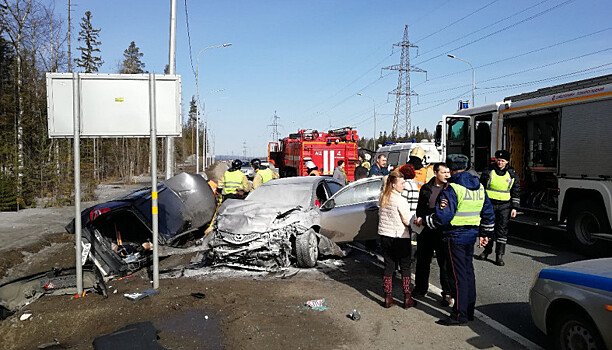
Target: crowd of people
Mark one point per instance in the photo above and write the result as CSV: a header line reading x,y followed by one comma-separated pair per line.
x,y
442,209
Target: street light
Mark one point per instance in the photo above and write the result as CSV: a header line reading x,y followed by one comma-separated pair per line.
x,y
374,102
198,105
205,151
473,79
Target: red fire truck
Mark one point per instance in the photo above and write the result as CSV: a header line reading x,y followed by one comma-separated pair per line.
x,y
291,153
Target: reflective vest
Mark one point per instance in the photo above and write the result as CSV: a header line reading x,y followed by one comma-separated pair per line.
x,y
499,187
420,177
266,175
233,181
469,205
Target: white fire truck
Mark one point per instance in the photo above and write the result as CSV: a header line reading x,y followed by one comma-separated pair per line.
x,y
561,146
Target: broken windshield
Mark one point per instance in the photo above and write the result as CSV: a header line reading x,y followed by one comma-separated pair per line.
x,y
290,194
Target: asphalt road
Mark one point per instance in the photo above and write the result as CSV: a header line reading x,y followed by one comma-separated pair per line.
x,y
503,292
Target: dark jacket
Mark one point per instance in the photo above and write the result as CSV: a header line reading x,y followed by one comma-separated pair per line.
x,y
376,170
447,207
515,190
423,209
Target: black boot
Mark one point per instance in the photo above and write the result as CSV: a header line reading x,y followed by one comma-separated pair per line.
x,y
499,261
483,256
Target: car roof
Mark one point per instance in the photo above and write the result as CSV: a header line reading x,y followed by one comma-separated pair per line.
x,y
297,180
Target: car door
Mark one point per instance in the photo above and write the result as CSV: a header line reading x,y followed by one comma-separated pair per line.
x,y
352,213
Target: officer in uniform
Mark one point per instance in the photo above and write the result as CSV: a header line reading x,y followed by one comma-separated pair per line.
x,y
464,213
233,183
422,173
501,183
263,174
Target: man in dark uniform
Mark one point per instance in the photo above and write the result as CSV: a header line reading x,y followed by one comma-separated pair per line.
x,y
464,213
501,183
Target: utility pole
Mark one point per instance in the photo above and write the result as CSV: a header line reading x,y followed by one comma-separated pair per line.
x,y
275,125
69,38
172,71
244,150
403,91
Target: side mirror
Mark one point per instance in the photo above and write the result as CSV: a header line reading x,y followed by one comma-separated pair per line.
x,y
438,135
329,204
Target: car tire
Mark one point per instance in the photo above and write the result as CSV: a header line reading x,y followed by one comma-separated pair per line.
x,y
573,329
306,249
584,219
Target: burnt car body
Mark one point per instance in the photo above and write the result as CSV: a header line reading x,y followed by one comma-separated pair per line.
x,y
117,234
275,223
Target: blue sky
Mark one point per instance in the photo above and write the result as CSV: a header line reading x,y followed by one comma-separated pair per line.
x,y
307,60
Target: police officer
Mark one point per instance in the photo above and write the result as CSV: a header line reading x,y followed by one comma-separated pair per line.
x,y
501,183
234,183
463,213
263,174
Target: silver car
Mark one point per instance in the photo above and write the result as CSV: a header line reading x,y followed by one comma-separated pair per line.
x,y
572,304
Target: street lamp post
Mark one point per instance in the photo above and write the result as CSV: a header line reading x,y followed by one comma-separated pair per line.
x,y
473,76
374,102
198,105
205,138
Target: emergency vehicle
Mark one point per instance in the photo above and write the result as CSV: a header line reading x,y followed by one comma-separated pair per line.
x,y
559,138
291,153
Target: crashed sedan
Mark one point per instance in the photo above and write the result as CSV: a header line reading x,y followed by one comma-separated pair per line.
x,y
276,223
117,235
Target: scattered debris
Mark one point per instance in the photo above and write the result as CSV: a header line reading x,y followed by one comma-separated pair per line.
x,y
18,293
25,315
317,304
140,335
198,295
141,295
354,315
52,345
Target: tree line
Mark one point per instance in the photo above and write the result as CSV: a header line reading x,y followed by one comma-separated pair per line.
x,y
34,169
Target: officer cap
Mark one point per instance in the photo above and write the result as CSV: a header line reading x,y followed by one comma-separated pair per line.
x,y
457,161
502,154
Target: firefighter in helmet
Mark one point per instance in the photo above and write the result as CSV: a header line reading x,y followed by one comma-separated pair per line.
x,y
312,169
422,173
263,174
233,183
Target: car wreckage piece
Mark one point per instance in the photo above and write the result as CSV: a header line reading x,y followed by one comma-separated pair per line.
x,y
117,234
18,293
251,236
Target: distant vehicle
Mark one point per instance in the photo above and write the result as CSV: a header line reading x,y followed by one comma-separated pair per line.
x,y
325,149
247,169
118,234
398,153
572,304
558,137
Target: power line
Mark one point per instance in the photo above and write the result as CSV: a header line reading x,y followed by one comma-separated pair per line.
x,y
457,21
500,30
189,39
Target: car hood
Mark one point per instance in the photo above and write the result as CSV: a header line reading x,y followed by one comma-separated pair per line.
x,y
243,217
594,267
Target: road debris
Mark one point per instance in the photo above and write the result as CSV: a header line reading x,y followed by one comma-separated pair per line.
x,y
141,295
317,304
354,315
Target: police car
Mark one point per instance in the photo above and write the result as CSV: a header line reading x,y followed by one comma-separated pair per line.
x,y
572,304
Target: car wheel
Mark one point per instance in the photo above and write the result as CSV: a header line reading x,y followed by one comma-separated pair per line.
x,y
574,330
306,249
584,219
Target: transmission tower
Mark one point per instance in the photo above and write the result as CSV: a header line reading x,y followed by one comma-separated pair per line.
x,y
275,134
401,120
244,150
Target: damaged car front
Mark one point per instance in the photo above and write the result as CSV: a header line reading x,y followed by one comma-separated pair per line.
x,y
276,224
117,235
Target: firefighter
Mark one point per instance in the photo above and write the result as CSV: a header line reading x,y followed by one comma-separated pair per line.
x,y
463,213
422,173
501,183
380,167
312,169
233,183
263,174
366,162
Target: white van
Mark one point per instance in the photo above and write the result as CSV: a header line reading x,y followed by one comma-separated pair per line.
x,y
399,153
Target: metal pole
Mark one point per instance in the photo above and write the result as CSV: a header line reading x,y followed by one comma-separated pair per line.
x,y
473,77
154,208
76,118
374,125
171,70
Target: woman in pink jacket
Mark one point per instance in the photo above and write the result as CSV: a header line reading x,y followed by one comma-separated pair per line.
x,y
394,230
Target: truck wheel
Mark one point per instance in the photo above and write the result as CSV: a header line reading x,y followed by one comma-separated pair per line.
x,y
584,219
306,249
574,330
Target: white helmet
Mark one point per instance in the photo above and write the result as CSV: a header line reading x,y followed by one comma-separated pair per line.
x,y
310,165
367,157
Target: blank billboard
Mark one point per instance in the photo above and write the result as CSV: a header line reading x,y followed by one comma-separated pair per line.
x,y
113,105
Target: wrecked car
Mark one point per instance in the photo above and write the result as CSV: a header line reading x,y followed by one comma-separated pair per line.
x,y
276,223
117,234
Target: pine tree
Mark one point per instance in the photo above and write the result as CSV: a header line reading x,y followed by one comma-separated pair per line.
x,y
131,62
89,36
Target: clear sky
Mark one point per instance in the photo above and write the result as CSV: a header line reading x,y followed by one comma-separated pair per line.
x,y
307,60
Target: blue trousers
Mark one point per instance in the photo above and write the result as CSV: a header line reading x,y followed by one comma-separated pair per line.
x,y
462,281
